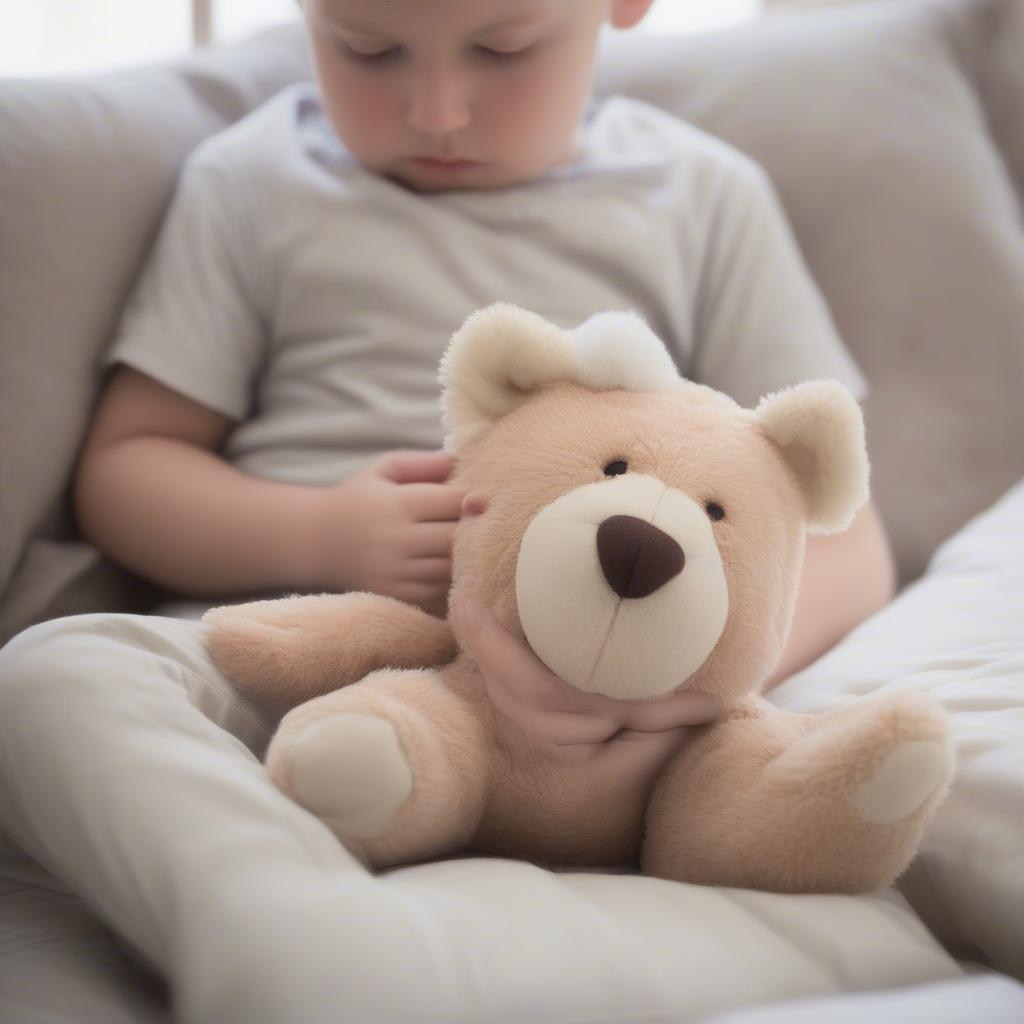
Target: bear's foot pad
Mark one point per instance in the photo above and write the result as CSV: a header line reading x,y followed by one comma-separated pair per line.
x,y
907,778
349,770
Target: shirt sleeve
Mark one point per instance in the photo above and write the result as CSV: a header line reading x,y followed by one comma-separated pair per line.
x,y
192,321
760,322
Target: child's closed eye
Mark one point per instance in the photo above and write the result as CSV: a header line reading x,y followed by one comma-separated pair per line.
x,y
371,57
502,56
392,53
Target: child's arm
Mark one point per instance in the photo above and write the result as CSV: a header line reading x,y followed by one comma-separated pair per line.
x,y
846,578
152,492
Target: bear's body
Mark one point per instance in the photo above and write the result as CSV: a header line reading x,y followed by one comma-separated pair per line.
x,y
646,535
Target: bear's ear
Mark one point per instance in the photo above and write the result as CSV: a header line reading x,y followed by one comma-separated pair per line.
x,y
502,355
819,428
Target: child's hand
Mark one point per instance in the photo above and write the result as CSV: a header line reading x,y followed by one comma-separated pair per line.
x,y
624,743
388,529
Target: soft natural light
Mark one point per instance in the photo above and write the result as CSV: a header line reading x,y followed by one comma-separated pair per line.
x,y
235,19
40,37
698,15
45,37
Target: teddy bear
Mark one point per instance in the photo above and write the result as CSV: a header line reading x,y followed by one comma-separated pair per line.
x,y
644,534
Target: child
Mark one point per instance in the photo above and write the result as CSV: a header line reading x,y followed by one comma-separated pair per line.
x,y
271,422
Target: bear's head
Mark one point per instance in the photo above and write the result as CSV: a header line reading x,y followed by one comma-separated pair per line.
x,y
644,533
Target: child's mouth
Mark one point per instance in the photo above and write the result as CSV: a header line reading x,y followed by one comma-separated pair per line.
x,y
431,163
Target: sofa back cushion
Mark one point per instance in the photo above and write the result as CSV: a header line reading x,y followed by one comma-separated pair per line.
x,y
876,122
87,166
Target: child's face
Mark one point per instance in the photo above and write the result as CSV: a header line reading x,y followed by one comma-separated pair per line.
x,y
442,94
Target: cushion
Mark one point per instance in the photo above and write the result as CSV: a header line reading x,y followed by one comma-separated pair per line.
x,y
260,915
999,70
870,121
991,998
87,166
957,634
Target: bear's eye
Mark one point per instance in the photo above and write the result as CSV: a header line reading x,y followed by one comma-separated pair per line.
x,y
714,510
616,468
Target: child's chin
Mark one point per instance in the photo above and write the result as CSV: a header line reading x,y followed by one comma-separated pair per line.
x,y
486,176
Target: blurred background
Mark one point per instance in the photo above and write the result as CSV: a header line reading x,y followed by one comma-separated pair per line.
x,y
46,37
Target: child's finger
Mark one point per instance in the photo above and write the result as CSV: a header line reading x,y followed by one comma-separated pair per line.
x,y
428,570
432,503
428,596
500,654
525,690
430,540
406,467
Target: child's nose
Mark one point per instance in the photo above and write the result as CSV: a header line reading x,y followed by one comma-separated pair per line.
x,y
439,102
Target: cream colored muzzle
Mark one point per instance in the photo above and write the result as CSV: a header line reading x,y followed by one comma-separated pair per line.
x,y
579,587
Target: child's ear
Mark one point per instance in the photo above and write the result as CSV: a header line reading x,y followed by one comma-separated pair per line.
x,y
819,428
627,13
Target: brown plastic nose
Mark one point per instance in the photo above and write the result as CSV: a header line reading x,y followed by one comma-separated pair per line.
x,y
637,558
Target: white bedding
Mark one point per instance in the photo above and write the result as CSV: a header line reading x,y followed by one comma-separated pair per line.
x,y
490,940
959,635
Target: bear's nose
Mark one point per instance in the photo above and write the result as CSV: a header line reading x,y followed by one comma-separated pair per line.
x,y
637,558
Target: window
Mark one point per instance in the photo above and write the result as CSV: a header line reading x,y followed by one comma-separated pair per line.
x,y
668,16
47,37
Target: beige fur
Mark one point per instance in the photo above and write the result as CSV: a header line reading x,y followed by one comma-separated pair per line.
x,y
502,354
292,649
759,797
821,434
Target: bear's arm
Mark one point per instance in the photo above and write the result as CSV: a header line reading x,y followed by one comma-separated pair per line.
x,y
295,648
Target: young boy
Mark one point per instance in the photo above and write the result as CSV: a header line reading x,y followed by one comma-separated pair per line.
x,y
271,422
286,338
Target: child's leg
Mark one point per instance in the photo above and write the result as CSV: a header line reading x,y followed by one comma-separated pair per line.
x,y
129,768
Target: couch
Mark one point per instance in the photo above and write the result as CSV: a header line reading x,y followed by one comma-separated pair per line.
x,y
894,134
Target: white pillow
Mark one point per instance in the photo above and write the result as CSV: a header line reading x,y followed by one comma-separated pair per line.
x,y
991,998
515,943
958,633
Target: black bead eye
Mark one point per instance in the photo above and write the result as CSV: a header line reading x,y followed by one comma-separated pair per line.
x,y
714,510
616,468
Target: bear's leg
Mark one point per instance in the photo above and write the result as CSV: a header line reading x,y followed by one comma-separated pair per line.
x,y
772,800
396,765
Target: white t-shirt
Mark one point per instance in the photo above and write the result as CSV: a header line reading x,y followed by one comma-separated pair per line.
x,y
311,300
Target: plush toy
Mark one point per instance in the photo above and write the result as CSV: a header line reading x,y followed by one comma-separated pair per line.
x,y
645,535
